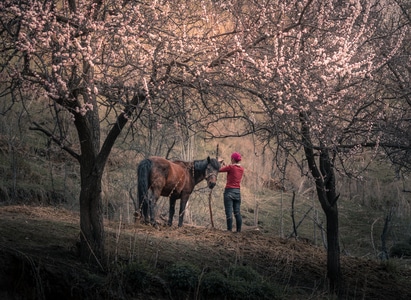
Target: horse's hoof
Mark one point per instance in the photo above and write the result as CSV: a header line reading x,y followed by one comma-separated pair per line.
x,y
154,224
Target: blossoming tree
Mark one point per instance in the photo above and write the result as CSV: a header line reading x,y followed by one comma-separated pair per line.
x,y
309,68
92,60
297,72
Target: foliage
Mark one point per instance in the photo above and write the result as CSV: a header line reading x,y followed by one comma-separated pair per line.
x,y
137,275
243,273
401,249
184,279
240,282
183,276
214,284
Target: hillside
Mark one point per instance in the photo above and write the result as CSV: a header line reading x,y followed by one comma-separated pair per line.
x,y
38,259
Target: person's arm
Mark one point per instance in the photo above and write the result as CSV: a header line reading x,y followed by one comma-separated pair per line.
x,y
224,169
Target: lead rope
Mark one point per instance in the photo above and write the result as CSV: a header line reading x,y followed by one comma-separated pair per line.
x,y
210,195
209,206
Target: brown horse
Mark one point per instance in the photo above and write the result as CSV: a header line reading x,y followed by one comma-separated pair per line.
x,y
158,176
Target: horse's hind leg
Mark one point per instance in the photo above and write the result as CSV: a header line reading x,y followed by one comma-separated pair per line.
x,y
171,210
144,209
148,208
183,204
152,204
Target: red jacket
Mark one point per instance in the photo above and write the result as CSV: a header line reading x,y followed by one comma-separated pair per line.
x,y
234,175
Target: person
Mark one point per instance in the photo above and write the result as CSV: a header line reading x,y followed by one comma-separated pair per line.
x,y
232,194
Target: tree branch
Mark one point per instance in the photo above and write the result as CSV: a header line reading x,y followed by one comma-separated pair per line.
x,y
55,139
118,126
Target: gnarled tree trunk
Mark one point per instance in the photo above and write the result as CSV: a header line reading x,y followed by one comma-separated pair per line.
x,y
91,217
324,178
92,162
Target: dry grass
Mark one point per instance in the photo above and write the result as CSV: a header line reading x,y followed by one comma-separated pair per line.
x,y
49,234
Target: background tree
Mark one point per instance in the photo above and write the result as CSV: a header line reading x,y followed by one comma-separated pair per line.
x,y
77,56
308,68
393,84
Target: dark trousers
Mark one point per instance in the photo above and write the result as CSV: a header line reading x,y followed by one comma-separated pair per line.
x,y
232,203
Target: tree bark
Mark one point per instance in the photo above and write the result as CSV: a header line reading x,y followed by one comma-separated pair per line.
x,y
92,163
333,250
91,218
91,212
324,178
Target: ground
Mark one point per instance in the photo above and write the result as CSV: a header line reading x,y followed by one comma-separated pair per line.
x,y
38,256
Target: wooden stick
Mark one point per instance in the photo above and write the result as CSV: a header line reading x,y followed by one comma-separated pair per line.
x,y
209,198
211,211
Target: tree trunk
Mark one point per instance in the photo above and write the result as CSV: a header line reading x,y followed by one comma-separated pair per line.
x,y
92,162
91,212
325,185
328,199
333,249
91,218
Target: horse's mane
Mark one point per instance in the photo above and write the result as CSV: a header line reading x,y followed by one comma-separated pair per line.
x,y
200,165
183,162
214,162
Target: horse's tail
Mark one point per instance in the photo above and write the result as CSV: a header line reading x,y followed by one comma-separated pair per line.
x,y
143,173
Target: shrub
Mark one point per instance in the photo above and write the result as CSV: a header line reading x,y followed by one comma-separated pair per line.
x,y
214,285
247,283
241,282
401,249
183,276
137,275
244,273
141,281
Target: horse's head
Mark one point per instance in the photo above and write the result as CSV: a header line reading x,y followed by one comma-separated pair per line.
x,y
211,173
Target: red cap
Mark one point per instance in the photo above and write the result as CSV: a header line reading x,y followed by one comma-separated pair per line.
x,y
236,156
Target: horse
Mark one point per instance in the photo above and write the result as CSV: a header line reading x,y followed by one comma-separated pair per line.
x,y
175,179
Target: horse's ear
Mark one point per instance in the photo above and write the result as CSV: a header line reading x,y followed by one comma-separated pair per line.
x,y
208,159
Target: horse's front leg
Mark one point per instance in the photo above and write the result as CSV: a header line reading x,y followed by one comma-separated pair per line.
x,y
171,210
183,204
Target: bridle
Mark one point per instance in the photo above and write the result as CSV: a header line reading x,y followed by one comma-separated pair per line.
x,y
208,175
211,174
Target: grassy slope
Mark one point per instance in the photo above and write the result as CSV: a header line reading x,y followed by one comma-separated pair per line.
x,y
38,254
